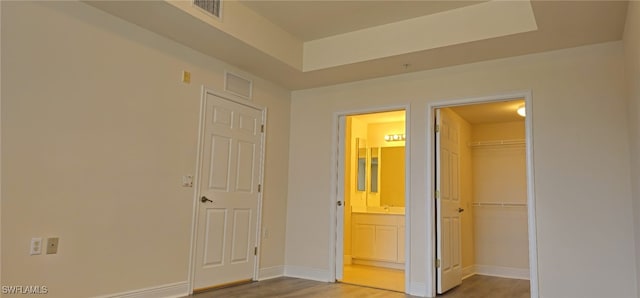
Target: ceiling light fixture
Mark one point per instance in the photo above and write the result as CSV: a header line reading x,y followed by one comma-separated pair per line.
x,y
522,111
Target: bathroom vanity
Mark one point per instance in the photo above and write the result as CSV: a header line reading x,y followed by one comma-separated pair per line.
x,y
378,237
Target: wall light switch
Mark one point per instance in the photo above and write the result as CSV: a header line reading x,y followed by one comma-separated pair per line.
x,y
52,245
187,181
36,246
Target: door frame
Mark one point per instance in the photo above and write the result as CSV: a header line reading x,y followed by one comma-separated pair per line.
x,y
531,207
196,179
336,227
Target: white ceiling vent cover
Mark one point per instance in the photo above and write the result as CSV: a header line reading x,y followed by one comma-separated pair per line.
x,y
238,85
213,7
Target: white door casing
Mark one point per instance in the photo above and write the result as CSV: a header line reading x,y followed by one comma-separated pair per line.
x,y
448,238
230,169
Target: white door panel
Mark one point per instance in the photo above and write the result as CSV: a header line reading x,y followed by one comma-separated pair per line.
x,y
228,213
448,249
214,237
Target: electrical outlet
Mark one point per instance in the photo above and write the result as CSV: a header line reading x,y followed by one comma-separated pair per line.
x,y
36,246
52,246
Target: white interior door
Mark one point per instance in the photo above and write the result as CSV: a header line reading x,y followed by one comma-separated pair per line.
x,y
449,255
228,193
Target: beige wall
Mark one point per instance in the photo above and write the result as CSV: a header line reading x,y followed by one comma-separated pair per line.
x,y
499,175
97,130
583,199
632,63
377,131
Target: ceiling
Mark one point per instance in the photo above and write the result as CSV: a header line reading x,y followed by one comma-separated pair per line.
x,y
494,112
309,20
319,43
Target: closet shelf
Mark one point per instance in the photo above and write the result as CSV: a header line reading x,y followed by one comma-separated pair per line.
x,y
497,143
501,204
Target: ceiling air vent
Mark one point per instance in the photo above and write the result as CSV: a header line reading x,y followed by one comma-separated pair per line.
x,y
237,85
213,7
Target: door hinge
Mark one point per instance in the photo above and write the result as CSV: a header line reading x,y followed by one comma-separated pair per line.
x,y
437,128
437,263
255,251
437,194
262,128
259,187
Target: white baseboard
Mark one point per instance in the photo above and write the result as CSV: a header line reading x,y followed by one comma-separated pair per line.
x,y
270,272
307,273
507,272
417,289
347,260
390,265
468,271
174,290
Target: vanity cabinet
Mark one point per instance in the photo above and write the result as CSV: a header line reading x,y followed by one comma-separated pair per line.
x,y
378,237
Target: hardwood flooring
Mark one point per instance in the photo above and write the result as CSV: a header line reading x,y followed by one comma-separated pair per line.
x,y
287,287
477,286
481,286
376,277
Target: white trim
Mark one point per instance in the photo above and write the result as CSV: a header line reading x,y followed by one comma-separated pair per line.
x,y
468,271
407,202
173,290
506,272
1,141
256,268
271,272
347,260
531,199
390,265
430,209
308,273
337,187
417,289
196,187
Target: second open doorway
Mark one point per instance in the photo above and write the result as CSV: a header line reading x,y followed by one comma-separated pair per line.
x,y
373,229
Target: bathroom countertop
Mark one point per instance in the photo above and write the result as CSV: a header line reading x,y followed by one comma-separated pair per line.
x,y
379,210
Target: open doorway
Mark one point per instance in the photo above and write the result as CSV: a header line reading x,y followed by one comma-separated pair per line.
x,y
481,207
371,242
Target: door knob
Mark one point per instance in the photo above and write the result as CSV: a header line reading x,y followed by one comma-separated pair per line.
x,y
205,199
460,210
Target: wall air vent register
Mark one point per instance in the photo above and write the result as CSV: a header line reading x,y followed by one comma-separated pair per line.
x,y
213,7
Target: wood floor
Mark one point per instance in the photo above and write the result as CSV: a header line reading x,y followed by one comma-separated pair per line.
x,y
376,277
480,286
477,286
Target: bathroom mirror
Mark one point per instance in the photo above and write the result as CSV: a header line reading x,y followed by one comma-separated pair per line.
x,y
374,169
392,176
361,157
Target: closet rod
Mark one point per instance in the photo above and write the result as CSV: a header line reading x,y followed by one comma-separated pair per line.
x,y
501,204
497,143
